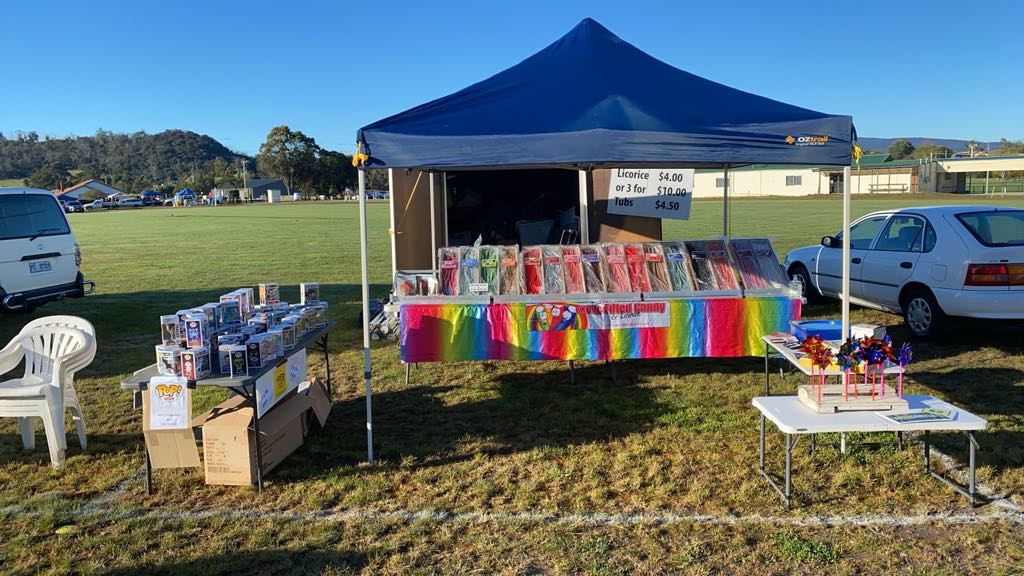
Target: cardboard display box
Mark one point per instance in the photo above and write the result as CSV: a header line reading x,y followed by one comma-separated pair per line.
x,y
229,442
228,438
169,448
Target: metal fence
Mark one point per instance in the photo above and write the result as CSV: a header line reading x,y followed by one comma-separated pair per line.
x,y
996,186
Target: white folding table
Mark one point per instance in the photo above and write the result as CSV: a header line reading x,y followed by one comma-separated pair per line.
x,y
793,418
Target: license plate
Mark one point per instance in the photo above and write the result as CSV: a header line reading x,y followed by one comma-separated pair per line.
x,y
40,267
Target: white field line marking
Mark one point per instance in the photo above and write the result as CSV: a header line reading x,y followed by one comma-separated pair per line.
x,y
108,513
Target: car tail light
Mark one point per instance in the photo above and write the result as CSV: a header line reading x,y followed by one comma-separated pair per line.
x,y
1016,274
994,275
78,256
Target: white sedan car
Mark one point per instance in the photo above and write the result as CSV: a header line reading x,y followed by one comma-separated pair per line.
x,y
925,263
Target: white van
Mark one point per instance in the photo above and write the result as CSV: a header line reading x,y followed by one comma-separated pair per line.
x,y
39,257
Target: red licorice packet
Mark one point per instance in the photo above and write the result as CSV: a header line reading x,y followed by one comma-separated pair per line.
x,y
572,270
636,261
618,274
533,270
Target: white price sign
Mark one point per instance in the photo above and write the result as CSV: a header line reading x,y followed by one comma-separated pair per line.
x,y
658,193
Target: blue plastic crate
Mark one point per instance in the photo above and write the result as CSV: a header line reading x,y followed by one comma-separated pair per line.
x,y
825,329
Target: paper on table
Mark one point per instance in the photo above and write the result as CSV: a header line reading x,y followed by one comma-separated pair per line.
x,y
920,415
168,403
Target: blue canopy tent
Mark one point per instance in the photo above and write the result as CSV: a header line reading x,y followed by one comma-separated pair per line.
x,y
151,193
185,192
591,100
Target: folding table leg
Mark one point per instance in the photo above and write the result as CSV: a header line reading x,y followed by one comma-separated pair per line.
x,y
789,470
761,453
972,446
407,368
327,367
767,391
572,373
927,452
615,380
259,446
149,475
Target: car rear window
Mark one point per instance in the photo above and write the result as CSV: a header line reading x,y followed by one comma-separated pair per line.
x,y
28,215
995,228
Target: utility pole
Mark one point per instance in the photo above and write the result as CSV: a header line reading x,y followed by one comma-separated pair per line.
x,y
244,162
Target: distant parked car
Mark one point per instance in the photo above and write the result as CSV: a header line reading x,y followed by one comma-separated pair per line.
x,y
925,263
150,201
129,203
99,205
72,206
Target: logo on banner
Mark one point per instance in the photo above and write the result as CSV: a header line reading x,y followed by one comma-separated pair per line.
x,y
608,316
545,317
806,140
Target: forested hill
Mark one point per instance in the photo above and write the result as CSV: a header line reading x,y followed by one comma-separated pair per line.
x,y
132,162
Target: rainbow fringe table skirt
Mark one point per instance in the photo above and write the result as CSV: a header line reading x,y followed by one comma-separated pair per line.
x,y
712,327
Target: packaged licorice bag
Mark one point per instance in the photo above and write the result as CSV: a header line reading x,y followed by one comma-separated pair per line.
x,y
489,268
743,255
533,270
405,284
636,262
678,264
593,269
703,271
617,279
572,270
657,270
553,281
509,279
469,271
768,263
722,265
448,262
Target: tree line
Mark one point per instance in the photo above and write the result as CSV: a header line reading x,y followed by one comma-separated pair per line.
x,y
903,149
174,159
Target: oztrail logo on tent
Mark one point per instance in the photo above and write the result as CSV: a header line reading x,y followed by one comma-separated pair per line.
x,y
807,140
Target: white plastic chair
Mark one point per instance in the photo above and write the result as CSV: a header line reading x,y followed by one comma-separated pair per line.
x,y
53,348
70,395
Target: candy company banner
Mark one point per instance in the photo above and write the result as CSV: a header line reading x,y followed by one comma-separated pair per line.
x,y
716,327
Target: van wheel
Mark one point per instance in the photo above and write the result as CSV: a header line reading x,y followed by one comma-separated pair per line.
x,y
922,315
799,271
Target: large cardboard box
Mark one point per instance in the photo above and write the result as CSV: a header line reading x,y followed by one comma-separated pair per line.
x,y
319,400
169,448
229,442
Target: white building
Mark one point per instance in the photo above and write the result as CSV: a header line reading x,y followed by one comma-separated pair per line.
x,y
100,189
875,174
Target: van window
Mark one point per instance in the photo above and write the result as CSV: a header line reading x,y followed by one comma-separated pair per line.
x,y
28,215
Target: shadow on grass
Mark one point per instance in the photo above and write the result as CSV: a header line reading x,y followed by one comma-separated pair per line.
x,y
518,412
988,392
510,413
99,445
276,561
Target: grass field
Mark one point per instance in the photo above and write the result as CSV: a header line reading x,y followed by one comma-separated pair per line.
x,y
494,467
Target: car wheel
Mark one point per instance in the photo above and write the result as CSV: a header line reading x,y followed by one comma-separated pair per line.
x,y
922,315
799,272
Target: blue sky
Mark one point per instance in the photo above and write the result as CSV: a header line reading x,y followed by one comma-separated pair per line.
x,y
235,70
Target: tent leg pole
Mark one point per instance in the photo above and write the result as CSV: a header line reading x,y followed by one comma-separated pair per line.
x,y
367,366
846,253
725,203
584,206
433,227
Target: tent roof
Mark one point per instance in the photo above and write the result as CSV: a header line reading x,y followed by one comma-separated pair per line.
x,y
592,99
